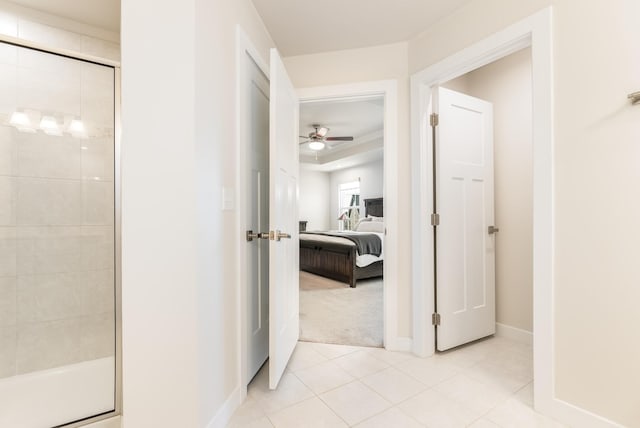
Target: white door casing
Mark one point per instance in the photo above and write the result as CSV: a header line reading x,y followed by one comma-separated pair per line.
x,y
257,204
283,218
465,290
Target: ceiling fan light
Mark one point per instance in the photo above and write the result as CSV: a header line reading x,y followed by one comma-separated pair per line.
x,y
316,145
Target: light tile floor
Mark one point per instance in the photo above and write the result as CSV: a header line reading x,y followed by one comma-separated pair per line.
x,y
482,385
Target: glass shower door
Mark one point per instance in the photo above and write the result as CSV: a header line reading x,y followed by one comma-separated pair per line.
x,y
57,245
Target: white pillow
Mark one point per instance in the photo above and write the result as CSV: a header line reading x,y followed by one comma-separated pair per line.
x,y
371,226
375,218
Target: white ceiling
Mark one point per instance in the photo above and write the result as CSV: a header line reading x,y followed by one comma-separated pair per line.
x,y
99,13
309,26
362,119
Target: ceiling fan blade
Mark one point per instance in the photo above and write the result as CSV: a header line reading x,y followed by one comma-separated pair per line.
x,y
339,139
305,142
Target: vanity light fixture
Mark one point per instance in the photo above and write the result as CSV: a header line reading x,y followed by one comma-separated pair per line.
x,y
76,128
50,127
21,122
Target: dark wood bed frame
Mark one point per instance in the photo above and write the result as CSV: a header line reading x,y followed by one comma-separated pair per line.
x,y
338,261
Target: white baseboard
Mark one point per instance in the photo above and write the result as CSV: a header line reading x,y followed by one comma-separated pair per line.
x,y
575,416
514,333
222,418
401,344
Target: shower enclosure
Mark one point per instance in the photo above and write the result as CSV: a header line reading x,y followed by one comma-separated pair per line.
x,y
59,223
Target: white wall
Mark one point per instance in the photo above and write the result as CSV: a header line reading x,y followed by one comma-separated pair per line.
x,y
371,64
180,296
596,64
371,177
315,195
507,84
56,32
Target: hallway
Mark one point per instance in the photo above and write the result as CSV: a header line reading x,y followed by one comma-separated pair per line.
x,y
484,384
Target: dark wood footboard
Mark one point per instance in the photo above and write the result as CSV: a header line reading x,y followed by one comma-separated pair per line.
x,y
335,261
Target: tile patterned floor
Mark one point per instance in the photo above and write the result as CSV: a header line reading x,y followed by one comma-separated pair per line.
x,y
486,384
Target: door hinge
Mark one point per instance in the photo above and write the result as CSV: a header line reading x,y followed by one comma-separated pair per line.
x,y
434,119
435,319
435,219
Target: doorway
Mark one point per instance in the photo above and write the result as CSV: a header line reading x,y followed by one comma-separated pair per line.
x,y
534,31
506,85
342,221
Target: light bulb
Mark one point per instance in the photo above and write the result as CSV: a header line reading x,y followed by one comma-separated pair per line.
x,y
21,121
50,127
77,129
316,145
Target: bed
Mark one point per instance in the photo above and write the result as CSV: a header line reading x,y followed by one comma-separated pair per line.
x,y
337,258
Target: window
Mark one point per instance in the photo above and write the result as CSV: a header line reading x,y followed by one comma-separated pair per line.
x,y
348,203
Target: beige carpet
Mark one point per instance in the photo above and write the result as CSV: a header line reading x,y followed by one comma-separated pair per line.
x,y
333,312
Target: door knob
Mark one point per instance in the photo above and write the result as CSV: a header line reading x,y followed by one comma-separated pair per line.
x,y
278,235
251,235
493,229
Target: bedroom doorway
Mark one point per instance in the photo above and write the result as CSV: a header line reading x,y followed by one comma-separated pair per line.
x,y
342,221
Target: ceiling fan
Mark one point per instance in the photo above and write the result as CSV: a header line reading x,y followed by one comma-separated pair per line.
x,y
318,139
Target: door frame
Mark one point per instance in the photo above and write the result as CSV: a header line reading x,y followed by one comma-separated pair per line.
x,y
245,49
389,90
534,31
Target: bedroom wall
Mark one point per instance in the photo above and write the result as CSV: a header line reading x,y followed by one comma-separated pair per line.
x,y
372,64
315,197
371,177
596,64
506,83
180,294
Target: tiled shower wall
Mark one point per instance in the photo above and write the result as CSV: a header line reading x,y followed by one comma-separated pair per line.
x,y
56,206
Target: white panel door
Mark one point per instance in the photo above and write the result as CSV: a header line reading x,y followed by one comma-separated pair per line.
x,y
258,221
465,248
283,219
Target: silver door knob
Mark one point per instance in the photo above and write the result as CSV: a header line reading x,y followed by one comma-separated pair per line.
x,y
278,235
251,235
493,229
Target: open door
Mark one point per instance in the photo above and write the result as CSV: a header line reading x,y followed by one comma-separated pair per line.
x,y
283,221
465,240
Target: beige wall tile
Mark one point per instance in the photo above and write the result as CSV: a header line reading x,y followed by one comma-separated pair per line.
x,y
8,351
44,156
43,250
8,53
97,96
100,48
8,150
48,344
8,251
8,301
8,89
98,292
8,194
97,247
49,83
98,336
48,202
49,36
97,202
97,158
8,24
49,297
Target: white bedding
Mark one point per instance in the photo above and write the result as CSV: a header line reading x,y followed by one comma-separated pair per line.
x,y
361,261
